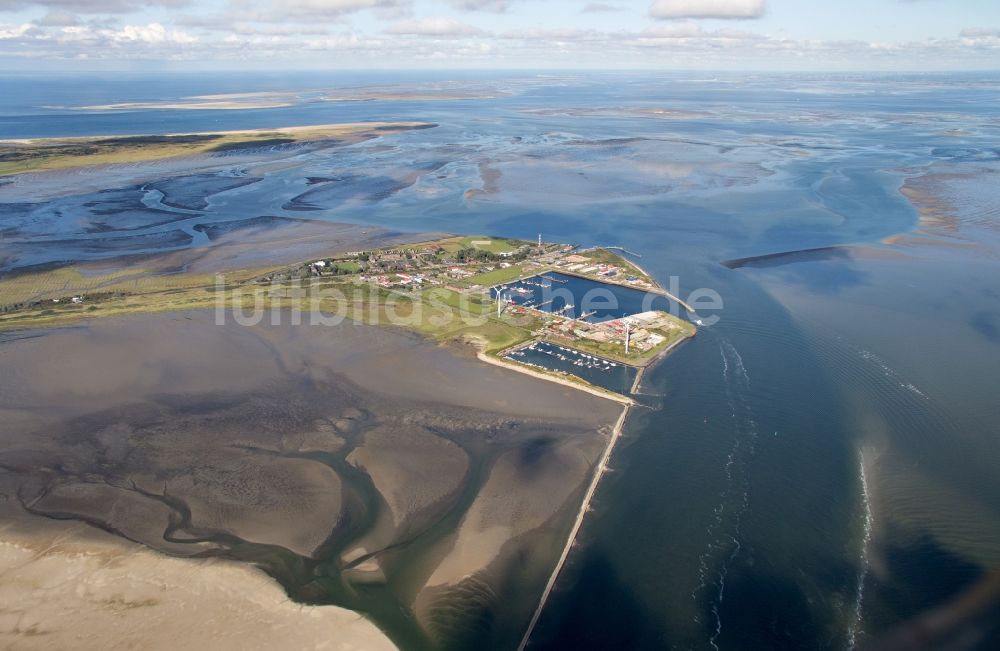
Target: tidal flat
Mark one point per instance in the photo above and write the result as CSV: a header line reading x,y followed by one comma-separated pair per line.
x,y
359,466
824,468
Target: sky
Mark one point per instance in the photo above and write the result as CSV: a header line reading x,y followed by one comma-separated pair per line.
x,y
912,35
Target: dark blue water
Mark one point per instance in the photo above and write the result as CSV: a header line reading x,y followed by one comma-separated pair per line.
x,y
576,297
824,465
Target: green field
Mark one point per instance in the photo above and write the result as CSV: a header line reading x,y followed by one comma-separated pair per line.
x,y
495,277
348,266
493,245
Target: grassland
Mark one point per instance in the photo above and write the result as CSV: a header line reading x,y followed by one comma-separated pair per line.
x,y
435,310
497,276
493,245
20,156
45,298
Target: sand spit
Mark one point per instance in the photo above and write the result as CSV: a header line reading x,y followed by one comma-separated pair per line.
x,y
45,168
186,106
788,257
313,130
332,457
68,586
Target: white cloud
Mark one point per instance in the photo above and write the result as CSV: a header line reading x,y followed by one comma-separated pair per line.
x,y
337,7
979,32
737,9
687,29
496,6
293,15
151,33
91,6
560,36
599,7
300,33
9,32
440,27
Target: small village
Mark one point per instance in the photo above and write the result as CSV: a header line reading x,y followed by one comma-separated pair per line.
x,y
469,264
507,273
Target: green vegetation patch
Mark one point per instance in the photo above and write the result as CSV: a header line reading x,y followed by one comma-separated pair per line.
x,y
495,277
493,245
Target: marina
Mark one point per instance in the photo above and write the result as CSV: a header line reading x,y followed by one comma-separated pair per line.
x,y
581,298
599,371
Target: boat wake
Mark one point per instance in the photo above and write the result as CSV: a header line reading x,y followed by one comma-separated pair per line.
x,y
855,628
724,531
889,372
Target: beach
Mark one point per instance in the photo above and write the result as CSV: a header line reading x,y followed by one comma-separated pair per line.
x,y
68,585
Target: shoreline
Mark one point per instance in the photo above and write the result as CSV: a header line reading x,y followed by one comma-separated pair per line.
x,y
602,467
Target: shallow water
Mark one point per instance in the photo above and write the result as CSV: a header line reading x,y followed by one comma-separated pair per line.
x,y
735,517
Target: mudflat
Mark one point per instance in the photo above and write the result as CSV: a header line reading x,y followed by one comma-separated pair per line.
x,y
360,466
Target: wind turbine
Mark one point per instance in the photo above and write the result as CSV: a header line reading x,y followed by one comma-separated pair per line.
x,y
501,302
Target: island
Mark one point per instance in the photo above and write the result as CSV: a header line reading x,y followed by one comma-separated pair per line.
x,y
40,154
409,426
514,300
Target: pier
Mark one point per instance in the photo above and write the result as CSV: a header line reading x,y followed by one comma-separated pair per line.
x,y
665,293
602,467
